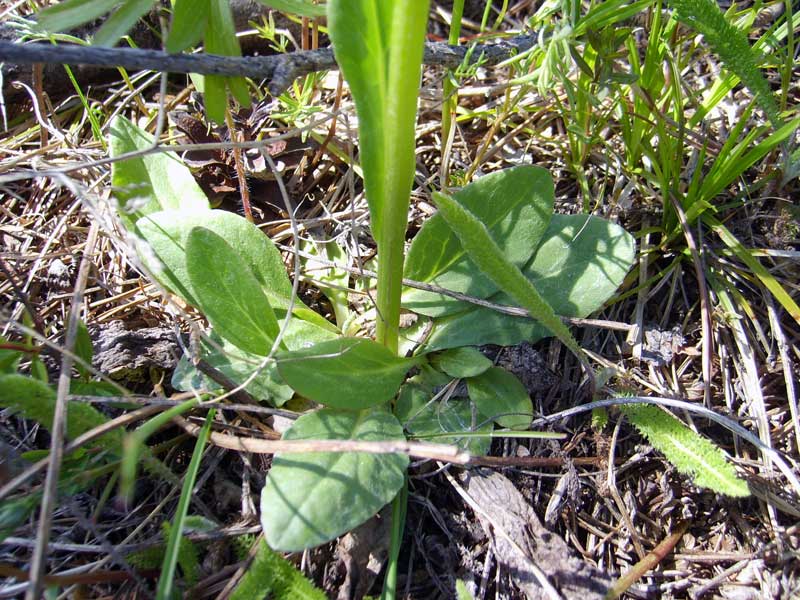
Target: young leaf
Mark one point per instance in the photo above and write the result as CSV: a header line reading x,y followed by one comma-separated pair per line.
x,y
690,452
514,204
346,373
149,183
229,294
461,362
580,263
271,575
422,418
220,38
488,256
9,358
121,22
189,19
311,498
499,394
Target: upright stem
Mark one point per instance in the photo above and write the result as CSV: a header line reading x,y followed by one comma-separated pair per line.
x,y
405,44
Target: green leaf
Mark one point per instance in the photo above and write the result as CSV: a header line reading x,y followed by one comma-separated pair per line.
x,y
9,359
229,294
690,452
296,7
500,395
378,46
84,350
70,14
489,258
732,46
331,281
121,22
423,418
311,498
580,263
220,38
461,362
515,205
238,366
271,575
167,234
35,400
215,97
346,373
189,19
150,183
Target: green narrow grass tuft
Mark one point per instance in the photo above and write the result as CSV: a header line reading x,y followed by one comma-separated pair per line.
x,y
690,452
271,574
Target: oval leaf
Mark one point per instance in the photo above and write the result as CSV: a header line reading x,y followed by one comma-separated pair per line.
x,y
350,373
423,418
461,362
580,263
150,183
501,396
311,498
515,205
229,294
167,233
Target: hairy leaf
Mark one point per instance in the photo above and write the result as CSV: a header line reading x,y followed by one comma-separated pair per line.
x,y
35,400
272,575
514,204
70,14
228,293
304,8
489,258
149,183
580,263
690,452
311,498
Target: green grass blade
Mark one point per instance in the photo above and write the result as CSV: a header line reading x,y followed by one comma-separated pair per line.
x,y
121,22
489,258
769,281
132,444
165,582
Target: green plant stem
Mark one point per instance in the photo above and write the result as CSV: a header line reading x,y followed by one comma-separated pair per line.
x,y
399,506
399,116
449,87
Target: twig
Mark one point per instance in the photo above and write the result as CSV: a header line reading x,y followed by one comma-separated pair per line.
x,y
50,493
649,562
260,446
281,70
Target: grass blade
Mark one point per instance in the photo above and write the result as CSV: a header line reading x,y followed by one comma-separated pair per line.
x,y
165,582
